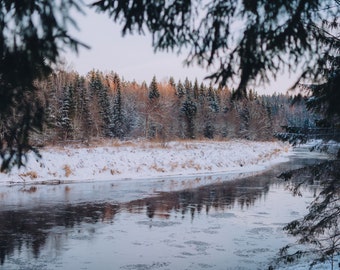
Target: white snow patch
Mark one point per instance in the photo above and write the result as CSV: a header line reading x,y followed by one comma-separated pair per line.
x,y
135,160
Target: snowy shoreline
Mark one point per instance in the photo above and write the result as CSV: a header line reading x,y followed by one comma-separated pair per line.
x,y
140,160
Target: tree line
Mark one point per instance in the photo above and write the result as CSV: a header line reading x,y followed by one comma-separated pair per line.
x,y
103,105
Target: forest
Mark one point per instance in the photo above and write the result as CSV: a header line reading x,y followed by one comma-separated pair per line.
x,y
103,105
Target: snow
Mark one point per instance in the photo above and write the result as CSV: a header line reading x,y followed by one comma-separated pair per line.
x,y
115,160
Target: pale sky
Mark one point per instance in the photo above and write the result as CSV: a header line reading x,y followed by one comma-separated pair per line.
x,y
133,57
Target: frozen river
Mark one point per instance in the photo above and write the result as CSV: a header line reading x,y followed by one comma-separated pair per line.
x,y
206,222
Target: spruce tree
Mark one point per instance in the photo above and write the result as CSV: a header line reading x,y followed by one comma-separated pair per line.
x,y
213,103
180,92
196,90
118,121
65,122
172,83
153,110
189,109
32,36
101,93
187,87
245,120
202,92
84,110
153,89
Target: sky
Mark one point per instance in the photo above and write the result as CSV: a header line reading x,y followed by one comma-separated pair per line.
x,y
133,56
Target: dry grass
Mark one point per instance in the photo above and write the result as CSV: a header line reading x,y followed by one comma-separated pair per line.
x,y
113,172
157,143
173,165
103,170
67,170
30,174
140,143
118,143
156,168
152,145
190,164
92,143
194,165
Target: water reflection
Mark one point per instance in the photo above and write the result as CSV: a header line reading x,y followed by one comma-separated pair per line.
x,y
222,196
31,228
35,228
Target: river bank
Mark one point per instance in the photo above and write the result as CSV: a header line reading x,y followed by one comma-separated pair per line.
x,y
114,160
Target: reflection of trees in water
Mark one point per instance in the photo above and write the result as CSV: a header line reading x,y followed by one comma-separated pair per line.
x,y
31,228
243,193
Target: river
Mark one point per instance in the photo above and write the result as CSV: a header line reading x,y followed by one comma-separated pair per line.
x,y
227,221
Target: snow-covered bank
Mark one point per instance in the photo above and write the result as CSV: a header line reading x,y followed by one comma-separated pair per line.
x,y
144,159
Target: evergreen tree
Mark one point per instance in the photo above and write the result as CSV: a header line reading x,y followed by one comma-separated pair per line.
x,y
180,92
319,229
202,91
153,89
196,90
212,99
245,120
189,109
187,87
209,130
65,122
32,34
101,93
84,110
153,114
325,97
172,83
118,120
